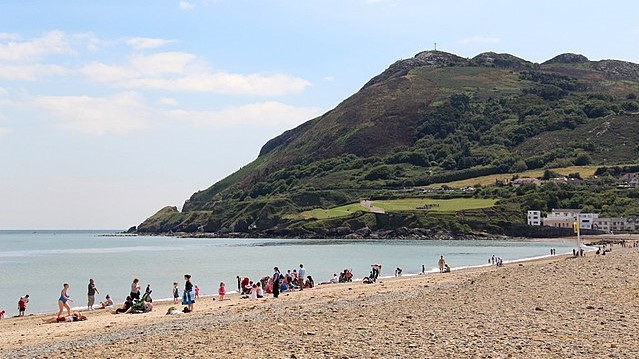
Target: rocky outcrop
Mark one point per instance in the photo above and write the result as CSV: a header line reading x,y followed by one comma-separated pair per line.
x,y
423,59
506,61
618,70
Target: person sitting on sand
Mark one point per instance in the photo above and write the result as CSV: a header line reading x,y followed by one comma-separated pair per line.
x,y
108,302
1,314
75,317
309,282
446,268
260,291
245,288
126,307
335,278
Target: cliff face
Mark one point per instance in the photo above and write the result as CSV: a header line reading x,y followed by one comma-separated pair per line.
x,y
427,118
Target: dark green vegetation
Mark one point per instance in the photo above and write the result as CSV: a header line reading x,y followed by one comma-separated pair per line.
x,y
434,118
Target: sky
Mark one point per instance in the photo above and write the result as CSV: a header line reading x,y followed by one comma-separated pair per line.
x,y
111,110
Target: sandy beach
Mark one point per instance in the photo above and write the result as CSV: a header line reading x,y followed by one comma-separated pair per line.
x,y
560,307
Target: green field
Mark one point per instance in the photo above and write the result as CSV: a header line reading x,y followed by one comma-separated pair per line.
x,y
584,171
404,204
340,211
438,205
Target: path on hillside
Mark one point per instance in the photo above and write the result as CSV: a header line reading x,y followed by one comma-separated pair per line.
x,y
369,205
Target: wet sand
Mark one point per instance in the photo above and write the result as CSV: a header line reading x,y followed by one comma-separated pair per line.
x,y
559,307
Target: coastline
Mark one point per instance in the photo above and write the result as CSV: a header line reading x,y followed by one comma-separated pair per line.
x,y
392,305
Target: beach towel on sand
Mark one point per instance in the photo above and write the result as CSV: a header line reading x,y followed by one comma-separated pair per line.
x,y
188,297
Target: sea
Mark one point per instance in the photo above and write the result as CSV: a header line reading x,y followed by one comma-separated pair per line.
x,y
38,263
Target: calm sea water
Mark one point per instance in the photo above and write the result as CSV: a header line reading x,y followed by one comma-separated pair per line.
x,y
39,262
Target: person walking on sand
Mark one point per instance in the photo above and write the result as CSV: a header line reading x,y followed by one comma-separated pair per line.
x,y
135,289
276,282
91,294
441,263
188,297
22,305
197,291
63,300
301,275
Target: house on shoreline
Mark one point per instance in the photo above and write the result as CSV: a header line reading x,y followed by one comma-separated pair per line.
x,y
566,218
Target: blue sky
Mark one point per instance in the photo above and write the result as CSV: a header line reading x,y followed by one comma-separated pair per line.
x,y
110,110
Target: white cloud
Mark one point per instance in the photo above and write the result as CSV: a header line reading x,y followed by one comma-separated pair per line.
x,y
479,40
51,43
30,72
89,41
121,113
264,114
147,43
4,36
167,101
185,5
226,83
178,71
3,92
329,78
4,131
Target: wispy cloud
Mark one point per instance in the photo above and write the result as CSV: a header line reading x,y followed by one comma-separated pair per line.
x,y
5,131
117,114
178,71
185,5
30,72
51,43
479,40
147,42
265,114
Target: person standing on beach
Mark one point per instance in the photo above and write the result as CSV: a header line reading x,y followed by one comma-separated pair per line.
x,y
176,293
64,298
221,291
276,282
441,263
91,294
301,275
188,297
22,305
135,289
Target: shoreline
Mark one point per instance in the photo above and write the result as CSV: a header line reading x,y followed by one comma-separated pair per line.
x,y
429,271
19,331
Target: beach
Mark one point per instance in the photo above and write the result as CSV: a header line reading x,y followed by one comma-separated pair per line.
x,y
559,307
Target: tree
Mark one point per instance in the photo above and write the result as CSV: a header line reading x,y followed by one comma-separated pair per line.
x,y
582,159
519,166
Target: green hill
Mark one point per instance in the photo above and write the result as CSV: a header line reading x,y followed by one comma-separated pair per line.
x,y
433,118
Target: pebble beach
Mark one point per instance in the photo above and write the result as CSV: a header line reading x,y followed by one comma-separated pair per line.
x,y
560,307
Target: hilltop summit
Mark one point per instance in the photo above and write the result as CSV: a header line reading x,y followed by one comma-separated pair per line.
x,y
430,58
567,58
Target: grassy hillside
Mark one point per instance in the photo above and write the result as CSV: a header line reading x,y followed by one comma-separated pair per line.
x,y
435,118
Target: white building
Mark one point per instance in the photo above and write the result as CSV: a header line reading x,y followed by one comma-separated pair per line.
x,y
566,217
586,220
534,218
